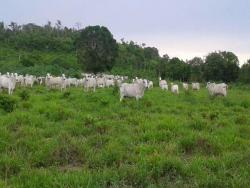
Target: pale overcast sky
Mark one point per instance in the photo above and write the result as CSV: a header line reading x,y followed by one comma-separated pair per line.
x,y
183,28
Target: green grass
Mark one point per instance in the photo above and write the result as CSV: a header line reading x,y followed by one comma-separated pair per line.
x,y
79,139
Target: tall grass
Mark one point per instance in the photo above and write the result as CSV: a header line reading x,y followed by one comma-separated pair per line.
x,y
86,139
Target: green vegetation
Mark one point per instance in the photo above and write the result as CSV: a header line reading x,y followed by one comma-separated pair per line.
x,y
56,49
50,138
96,49
79,139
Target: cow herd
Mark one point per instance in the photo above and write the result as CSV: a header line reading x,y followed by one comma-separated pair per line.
x,y
135,89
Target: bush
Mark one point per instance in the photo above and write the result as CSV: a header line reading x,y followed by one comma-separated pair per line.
x,y
31,60
24,95
7,103
66,94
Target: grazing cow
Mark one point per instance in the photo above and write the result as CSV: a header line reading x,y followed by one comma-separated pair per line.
x,y
118,82
71,82
29,80
90,83
163,84
217,89
174,88
185,86
132,90
196,86
150,84
7,82
19,79
51,81
100,81
80,82
41,80
109,82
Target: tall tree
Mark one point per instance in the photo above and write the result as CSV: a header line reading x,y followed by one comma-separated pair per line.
x,y
97,49
196,68
177,69
221,66
231,66
244,75
151,53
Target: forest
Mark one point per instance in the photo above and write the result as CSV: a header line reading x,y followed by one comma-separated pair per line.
x,y
57,49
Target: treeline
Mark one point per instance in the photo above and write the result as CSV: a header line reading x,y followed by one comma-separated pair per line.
x,y
216,66
93,48
34,37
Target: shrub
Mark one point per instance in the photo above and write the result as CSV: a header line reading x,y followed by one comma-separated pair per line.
x,y
9,166
115,90
66,94
89,120
31,60
104,101
245,104
24,95
7,103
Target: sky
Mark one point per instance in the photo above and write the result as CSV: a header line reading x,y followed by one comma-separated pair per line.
x,y
182,28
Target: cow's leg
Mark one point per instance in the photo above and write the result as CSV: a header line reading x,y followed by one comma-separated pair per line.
x,y
121,98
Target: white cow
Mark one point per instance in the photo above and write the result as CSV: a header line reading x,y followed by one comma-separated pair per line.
x,y
174,88
109,82
196,86
19,79
118,82
90,83
185,86
71,82
100,82
29,80
41,80
81,82
163,84
150,84
53,82
7,82
217,89
132,90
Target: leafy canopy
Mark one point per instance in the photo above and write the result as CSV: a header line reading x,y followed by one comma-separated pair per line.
x,y
96,49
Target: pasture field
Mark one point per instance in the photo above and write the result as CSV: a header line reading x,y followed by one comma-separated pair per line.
x,y
80,139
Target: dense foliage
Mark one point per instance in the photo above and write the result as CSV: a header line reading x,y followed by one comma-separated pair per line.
x,y
245,72
58,49
96,49
222,66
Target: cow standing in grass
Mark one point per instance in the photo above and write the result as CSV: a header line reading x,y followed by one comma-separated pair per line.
x,y
185,86
29,80
53,82
217,89
196,86
90,83
174,88
132,90
163,84
8,82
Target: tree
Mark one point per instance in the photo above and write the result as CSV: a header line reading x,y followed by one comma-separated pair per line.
x,y
196,68
221,66
2,31
231,66
244,75
96,49
177,69
14,26
151,53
